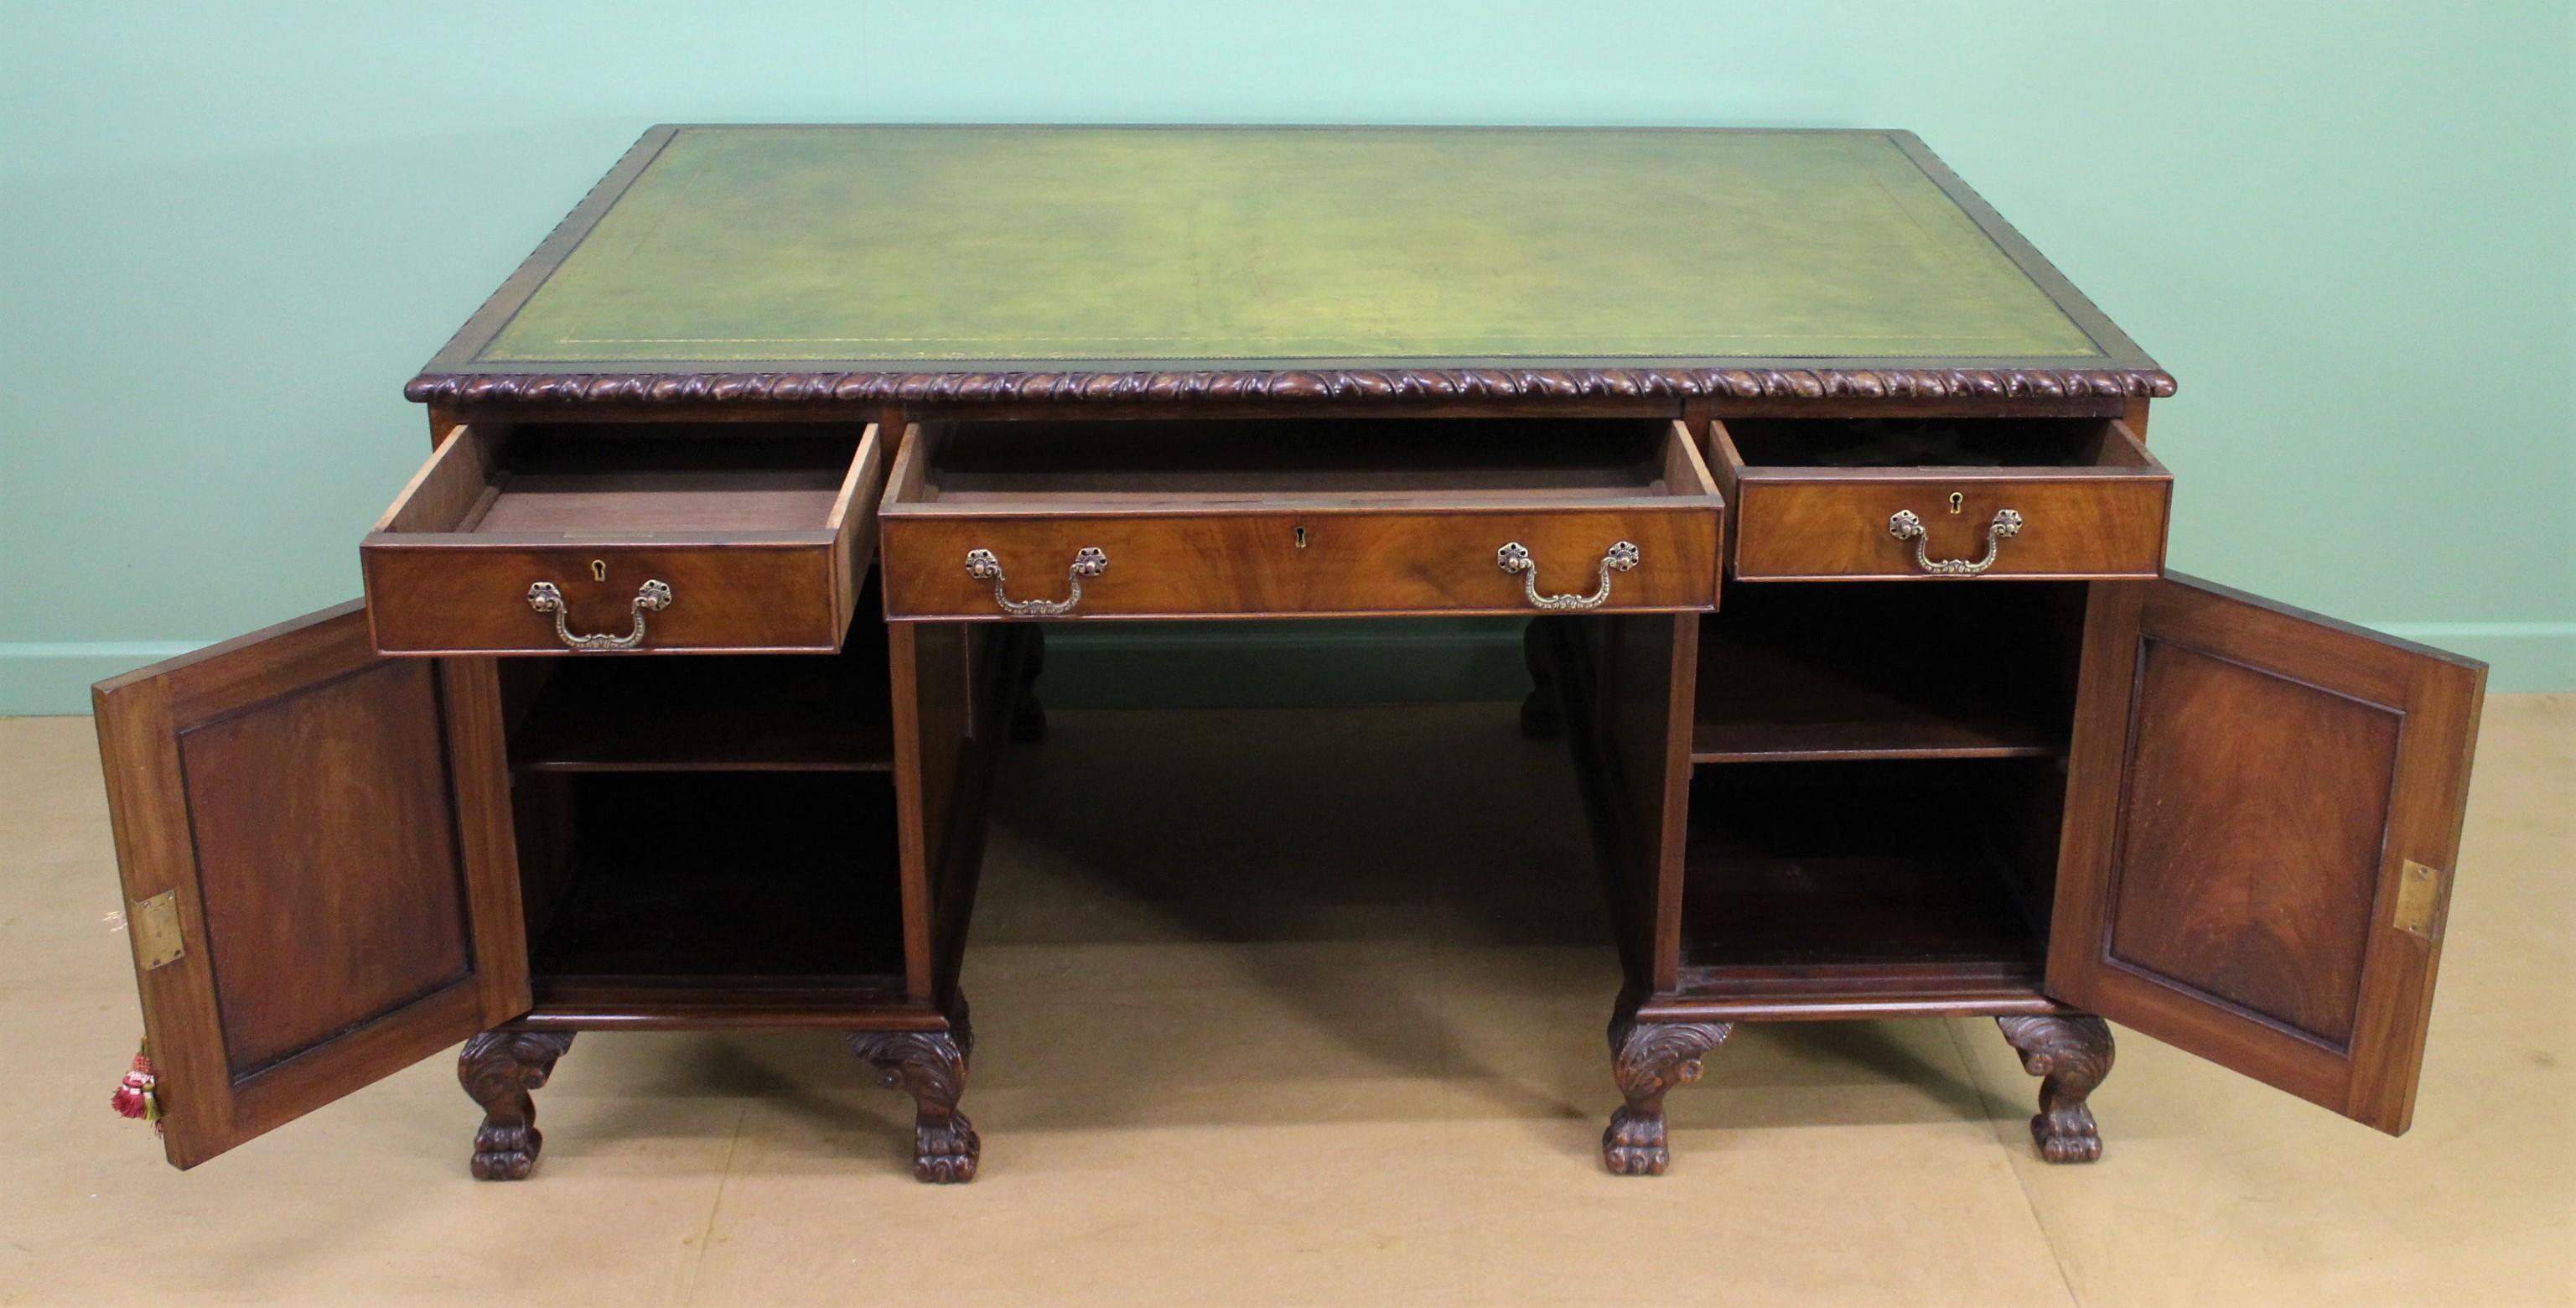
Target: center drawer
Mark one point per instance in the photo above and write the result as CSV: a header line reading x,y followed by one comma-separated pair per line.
x,y
1310,518
645,539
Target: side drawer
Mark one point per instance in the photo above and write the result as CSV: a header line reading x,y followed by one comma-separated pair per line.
x,y
2028,499
1173,520
636,540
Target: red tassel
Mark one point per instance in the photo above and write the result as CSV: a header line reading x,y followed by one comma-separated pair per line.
x,y
137,1096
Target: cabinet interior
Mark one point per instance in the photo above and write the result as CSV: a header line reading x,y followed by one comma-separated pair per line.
x,y
711,713
645,876
1507,460
1841,880
1878,780
709,821
1806,672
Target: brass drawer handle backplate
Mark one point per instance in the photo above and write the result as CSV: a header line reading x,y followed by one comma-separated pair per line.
x,y
1515,557
1905,526
1087,562
653,595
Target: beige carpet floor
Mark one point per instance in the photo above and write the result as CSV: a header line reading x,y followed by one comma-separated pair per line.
x,y
1316,1025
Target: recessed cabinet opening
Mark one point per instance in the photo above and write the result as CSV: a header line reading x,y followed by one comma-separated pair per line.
x,y
724,824
736,713
1799,673
1930,443
1833,881
641,878
1878,782
1506,461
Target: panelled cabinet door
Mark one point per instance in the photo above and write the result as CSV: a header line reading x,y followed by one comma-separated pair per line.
x,y
2262,810
319,878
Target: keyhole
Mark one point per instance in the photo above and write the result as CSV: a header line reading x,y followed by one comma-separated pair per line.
x,y
1956,501
599,567
1301,538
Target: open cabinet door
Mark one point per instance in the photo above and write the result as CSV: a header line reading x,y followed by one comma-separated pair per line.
x,y
320,882
2262,810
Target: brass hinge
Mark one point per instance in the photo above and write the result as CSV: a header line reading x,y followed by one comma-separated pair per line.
x,y
2419,900
155,923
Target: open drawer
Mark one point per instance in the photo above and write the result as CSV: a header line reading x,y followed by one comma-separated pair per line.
x,y
1881,499
1303,518
742,537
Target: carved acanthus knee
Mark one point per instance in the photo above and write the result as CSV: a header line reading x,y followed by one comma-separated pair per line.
x,y
1649,1059
2072,1054
931,1067
499,1069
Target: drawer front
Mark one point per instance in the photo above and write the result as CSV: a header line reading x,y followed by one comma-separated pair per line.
x,y
453,599
626,545
1339,561
2069,527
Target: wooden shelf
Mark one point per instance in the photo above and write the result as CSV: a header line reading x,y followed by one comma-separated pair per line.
x,y
786,880
695,1003
717,713
1811,673
1865,888
1858,990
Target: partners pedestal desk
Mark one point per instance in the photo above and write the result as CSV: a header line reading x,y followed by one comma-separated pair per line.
x,y
684,660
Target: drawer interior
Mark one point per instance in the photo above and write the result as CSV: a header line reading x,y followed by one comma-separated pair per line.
x,y
589,480
1076,465
1932,443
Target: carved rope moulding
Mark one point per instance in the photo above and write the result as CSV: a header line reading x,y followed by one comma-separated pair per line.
x,y
1295,384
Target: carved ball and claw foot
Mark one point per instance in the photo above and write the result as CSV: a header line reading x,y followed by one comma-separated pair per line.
x,y
1542,718
1028,716
1649,1059
931,1067
499,1069
2071,1053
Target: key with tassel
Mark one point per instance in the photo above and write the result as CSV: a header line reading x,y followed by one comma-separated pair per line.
x,y
138,1095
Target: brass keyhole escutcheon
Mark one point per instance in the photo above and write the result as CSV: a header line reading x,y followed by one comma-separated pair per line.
x,y
599,567
1301,538
1957,501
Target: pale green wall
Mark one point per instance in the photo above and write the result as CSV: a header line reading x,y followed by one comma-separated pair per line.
x,y
228,234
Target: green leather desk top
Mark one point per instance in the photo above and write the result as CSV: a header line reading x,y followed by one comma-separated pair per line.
x,y
740,249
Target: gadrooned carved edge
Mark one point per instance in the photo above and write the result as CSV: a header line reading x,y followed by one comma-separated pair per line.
x,y
2072,1054
931,1067
499,1069
1292,385
1648,1059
